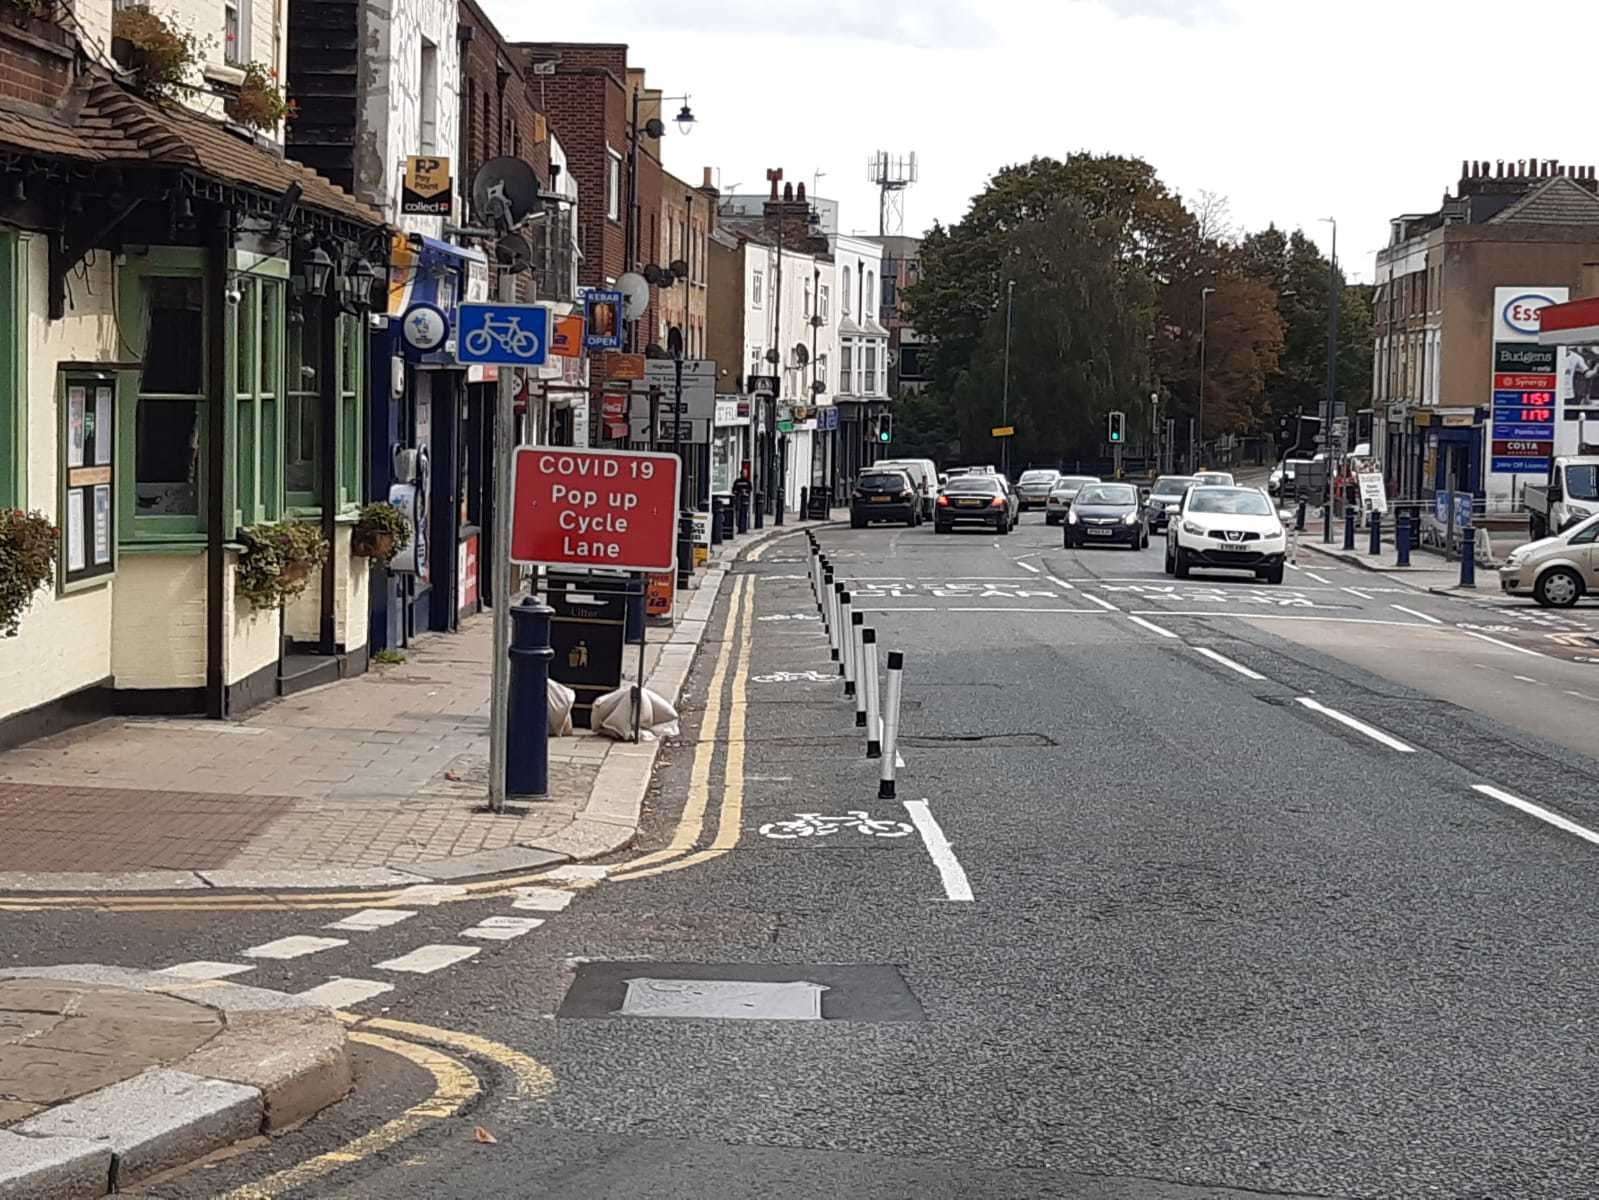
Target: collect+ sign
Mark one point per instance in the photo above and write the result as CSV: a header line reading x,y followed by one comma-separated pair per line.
x,y
594,508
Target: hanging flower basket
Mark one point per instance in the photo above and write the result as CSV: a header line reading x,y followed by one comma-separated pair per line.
x,y
380,533
260,103
27,559
161,56
277,561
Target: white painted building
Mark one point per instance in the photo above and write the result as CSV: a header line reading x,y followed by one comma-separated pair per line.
x,y
862,376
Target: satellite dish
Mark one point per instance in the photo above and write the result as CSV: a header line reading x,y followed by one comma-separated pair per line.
x,y
680,267
674,342
818,386
513,253
504,191
658,276
801,354
635,291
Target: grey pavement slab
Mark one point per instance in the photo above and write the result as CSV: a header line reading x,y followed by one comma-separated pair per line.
x,y
488,862
53,1168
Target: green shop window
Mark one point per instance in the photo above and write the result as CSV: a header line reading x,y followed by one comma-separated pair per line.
x,y
302,421
352,389
13,370
256,383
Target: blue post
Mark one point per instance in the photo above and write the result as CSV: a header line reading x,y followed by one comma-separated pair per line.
x,y
1376,532
1349,528
1468,555
527,759
1402,537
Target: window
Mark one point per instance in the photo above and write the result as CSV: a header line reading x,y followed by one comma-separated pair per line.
x,y
352,362
888,293
846,356
821,369
755,364
256,379
13,371
844,303
428,98
85,498
613,185
807,311
871,369
757,289
870,296
302,416
823,303
235,32
165,413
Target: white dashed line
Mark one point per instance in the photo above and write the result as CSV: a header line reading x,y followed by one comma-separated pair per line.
x,y
1533,810
577,873
890,610
1318,578
1412,612
1059,582
1151,626
1265,616
1105,604
1086,612
369,919
297,946
424,960
502,929
1485,638
1027,567
1529,679
1229,663
541,899
1344,718
341,993
956,885
1358,592
205,970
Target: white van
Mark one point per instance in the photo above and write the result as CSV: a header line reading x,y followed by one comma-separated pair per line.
x,y
923,474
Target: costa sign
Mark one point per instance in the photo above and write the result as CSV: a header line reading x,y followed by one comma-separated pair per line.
x,y
594,508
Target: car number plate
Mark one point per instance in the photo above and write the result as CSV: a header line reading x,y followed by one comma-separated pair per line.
x,y
969,503
1100,532
1234,546
881,499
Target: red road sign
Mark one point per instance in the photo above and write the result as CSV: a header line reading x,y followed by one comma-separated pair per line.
x,y
594,508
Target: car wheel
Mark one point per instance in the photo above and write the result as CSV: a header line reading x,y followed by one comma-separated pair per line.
x,y
1169,565
1004,528
1558,588
937,528
1180,563
1272,574
911,522
857,522
1143,541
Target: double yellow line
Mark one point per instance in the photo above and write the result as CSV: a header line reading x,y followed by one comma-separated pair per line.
x,y
682,852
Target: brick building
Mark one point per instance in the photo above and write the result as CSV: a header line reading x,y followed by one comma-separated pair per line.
x,y
686,218
500,112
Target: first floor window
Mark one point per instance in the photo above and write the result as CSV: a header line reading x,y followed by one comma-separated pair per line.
x,y
871,367
613,185
846,357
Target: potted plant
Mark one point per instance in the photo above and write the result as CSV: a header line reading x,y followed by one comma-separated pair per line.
x,y
160,55
43,9
277,561
380,532
27,557
260,103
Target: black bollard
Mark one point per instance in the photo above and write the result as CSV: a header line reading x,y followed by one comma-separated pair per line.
x,y
1299,519
527,758
1376,532
685,550
1402,538
1349,528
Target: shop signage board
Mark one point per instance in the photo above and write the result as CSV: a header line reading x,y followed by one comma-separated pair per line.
x,y
594,508
1525,378
427,190
699,383
514,335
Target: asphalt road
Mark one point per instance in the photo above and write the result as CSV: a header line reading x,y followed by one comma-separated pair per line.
x,y
1221,942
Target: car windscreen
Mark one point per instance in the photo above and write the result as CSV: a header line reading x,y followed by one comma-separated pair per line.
x,y
1072,483
1237,501
1037,477
883,482
974,485
1170,485
1582,483
1100,494
1217,480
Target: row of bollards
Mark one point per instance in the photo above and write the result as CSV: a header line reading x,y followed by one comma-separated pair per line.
x,y
852,644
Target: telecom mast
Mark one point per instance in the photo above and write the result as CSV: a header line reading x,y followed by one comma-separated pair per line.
x,y
892,174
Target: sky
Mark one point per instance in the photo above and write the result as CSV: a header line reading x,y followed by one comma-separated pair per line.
x,y
1293,110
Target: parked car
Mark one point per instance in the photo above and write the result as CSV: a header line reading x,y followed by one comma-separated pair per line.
x,y
1555,571
1062,495
923,474
1231,528
884,496
1215,479
976,499
1034,487
1106,514
1167,493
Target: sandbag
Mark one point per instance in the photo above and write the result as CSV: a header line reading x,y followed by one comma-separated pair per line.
x,y
613,715
561,700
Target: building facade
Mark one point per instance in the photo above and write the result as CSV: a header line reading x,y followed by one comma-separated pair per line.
x,y
865,431
908,352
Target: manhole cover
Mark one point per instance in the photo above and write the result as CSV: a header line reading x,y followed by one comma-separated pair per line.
x,y
723,999
740,991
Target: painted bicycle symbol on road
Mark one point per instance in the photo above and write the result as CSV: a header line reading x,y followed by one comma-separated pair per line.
x,y
512,338
790,617
804,825
795,677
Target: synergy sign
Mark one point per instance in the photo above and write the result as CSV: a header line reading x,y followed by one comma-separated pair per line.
x,y
1525,379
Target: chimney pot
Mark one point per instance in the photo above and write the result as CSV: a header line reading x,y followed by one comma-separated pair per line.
x,y
788,191
1465,173
707,179
1500,168
799,193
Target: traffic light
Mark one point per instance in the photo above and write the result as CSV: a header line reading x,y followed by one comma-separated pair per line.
x,y
1118,427
885,428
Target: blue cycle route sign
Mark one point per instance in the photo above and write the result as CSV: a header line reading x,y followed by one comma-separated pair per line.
x,y
512,335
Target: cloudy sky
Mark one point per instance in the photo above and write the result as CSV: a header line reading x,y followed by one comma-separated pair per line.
x,y
1292,109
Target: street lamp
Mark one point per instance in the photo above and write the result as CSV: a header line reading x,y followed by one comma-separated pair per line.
x,y
1332,376
1004,402
1204,313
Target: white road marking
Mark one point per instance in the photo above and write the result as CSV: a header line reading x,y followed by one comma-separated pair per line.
x,y
1484,637
899,761
956,885
293,947
1318,578
1151,626
369,919
1087,612
424,960
1584,696
889,610
1412,612
1229,663
502,929
1529,679
1265,616
1294,567
578,873
339,992
1344,718
205,970
1358,592
1027,566
541,899
1059,582
1105,604
1533,810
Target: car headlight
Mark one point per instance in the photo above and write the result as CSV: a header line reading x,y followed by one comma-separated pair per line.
x,y
1130,519
1071,518
1196,530
1276,531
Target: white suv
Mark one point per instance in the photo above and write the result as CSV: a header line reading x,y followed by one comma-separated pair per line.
x,y
1227,528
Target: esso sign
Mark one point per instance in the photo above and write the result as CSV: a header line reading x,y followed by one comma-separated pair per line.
x,y
1521,314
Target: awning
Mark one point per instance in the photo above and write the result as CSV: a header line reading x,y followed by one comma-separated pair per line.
x,y
418,267
1573,324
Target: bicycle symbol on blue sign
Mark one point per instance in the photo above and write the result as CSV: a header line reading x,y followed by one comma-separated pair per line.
x,y
514,335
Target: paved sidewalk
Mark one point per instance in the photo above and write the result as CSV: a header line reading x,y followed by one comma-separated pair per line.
x,y
109,1076
380,780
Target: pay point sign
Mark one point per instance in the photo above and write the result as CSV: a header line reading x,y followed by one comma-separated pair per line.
x,y
594,508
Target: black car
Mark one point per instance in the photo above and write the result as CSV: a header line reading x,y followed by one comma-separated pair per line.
x,y
884,496
1107,514
976,500
1168,489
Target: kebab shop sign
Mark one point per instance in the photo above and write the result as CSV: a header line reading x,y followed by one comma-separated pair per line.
x,y
594,508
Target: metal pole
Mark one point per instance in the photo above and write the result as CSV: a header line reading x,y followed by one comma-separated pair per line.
x,y
1204,321
1332,377
857,653
1004,400
874,719
500,591
885,777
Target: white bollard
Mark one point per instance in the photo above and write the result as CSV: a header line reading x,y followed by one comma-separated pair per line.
x,y
833,590
846,643
857,639
885,777
874,720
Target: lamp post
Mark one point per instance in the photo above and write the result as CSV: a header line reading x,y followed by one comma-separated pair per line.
x,y
1330,410
1204,313
1004,400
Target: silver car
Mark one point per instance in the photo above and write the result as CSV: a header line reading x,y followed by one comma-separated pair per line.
x,y
1034,488
1062,495
1555,571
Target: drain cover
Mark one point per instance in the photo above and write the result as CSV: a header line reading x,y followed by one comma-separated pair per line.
x,y
741,991
724,998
